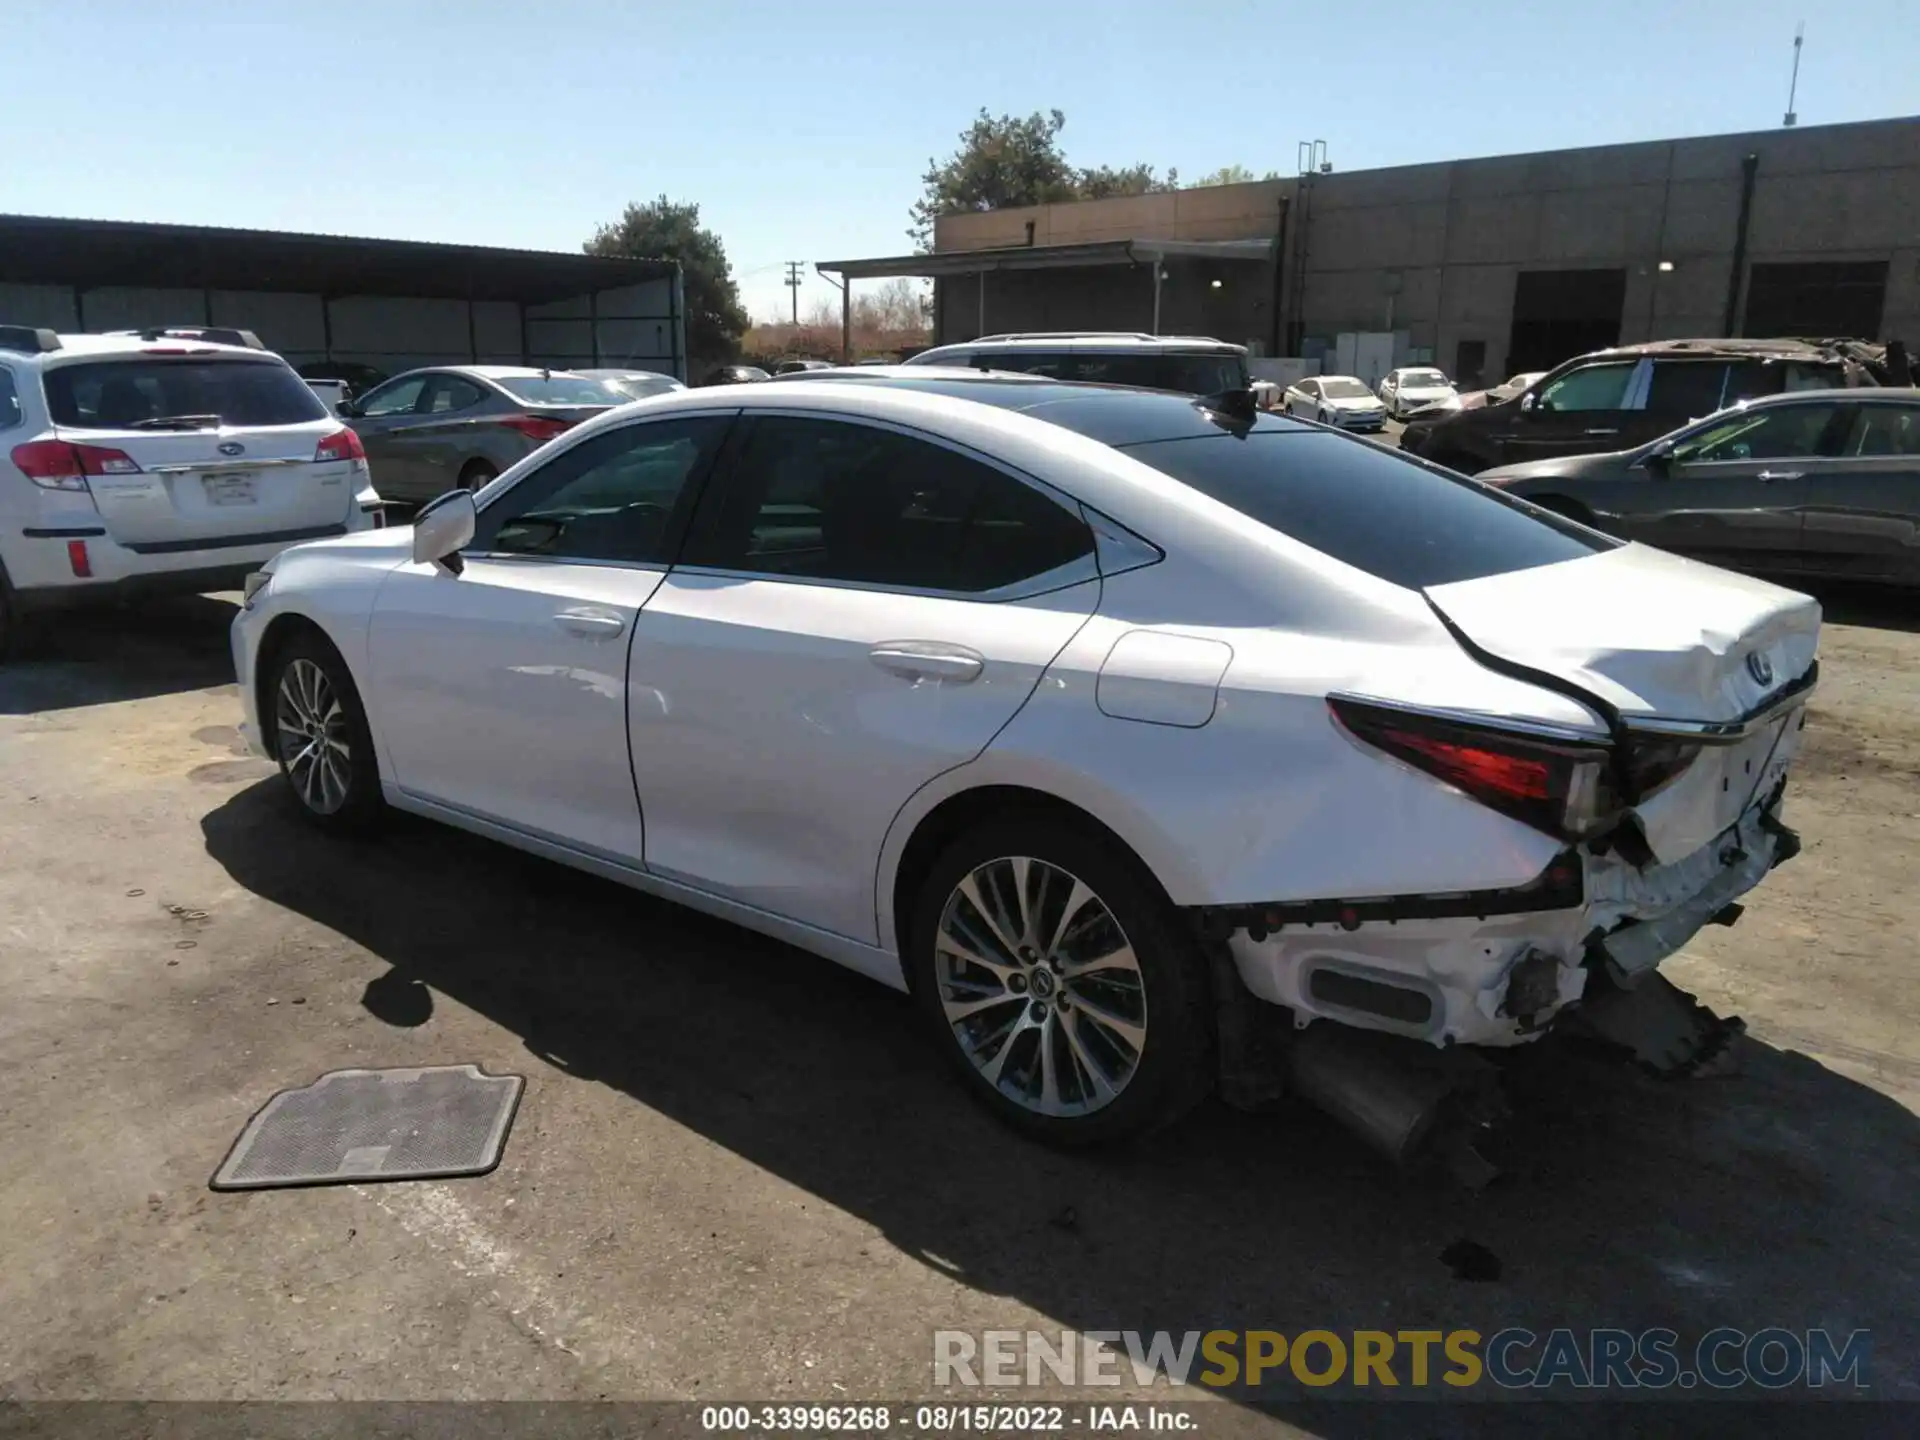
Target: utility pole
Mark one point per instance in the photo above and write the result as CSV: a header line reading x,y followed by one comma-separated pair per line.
x,y
794,268
1793,85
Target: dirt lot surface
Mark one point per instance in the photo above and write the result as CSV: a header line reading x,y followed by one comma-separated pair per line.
x,y
737,1171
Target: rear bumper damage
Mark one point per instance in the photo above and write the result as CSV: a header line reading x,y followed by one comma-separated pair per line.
x,y
1444,982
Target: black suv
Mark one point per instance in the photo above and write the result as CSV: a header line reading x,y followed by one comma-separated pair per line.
x,y
1618,399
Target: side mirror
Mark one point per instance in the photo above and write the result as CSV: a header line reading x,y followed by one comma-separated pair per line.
x,y
443,528
1527,401
346,410
1659,462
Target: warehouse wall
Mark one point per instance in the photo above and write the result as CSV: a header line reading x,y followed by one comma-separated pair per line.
x,y
1436,250
635,326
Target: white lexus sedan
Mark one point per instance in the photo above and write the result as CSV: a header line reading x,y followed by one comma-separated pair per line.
x,y
1335,400
1114,726
1416,388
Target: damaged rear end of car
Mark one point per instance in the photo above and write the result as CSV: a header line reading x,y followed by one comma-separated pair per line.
x,y
1650,822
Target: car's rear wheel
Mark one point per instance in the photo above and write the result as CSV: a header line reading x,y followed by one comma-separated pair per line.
x,y
321,739
1060,981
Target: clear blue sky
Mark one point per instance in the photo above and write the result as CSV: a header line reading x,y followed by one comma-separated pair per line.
x,y
802,129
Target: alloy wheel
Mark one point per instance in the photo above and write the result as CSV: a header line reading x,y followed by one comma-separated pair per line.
x,y
314,738
1041,986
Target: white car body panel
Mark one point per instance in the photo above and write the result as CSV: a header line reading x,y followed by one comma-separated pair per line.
x,y
821,681
478,673
778,772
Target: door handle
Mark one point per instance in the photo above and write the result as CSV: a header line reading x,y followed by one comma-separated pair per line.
x,y
1599,432
1780,475
593,624
928,660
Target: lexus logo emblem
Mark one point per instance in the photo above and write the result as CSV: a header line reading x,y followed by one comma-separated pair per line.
x,y
1760,668
232,447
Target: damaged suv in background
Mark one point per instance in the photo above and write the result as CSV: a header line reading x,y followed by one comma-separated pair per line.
x,y
1621,398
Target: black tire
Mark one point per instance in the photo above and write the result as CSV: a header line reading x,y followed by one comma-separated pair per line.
x,y
477,474
1173,1069
357,806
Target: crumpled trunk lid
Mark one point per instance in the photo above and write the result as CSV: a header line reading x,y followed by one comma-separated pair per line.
x,y
1658,638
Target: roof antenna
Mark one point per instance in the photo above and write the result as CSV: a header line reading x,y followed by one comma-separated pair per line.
x,y
1793,86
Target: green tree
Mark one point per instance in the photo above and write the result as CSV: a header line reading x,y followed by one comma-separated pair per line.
x,y
1001,162
1106,181
1232,175
664,230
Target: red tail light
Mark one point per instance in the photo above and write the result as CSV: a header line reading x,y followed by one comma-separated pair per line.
x,y
343,444
1559,787
78,560
61,465
537,428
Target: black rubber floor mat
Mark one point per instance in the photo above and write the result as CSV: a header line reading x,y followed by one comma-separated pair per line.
x,y
423,1124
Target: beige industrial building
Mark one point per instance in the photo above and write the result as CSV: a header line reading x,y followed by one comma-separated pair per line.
x,y
1485,267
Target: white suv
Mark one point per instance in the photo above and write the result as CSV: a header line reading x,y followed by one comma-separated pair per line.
x,y
158,461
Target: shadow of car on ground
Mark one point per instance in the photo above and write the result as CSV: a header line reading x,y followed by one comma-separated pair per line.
x,y
123,652
1781,1195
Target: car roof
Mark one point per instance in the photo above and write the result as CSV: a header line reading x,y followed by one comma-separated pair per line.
x,y
1111,414
77,348
1861,394
1088,341
1780,349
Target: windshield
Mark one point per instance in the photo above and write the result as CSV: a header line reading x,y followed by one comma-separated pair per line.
x,y
1345,390
1422,379
151,391
561,390
1329,492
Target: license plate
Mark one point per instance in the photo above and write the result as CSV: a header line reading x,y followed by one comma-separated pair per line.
x,y
229,489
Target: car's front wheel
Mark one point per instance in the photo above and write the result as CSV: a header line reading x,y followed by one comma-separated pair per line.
x,y
320,737
1059,979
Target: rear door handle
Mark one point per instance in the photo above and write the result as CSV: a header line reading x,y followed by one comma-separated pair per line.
x,y
1599,432
1780,475
591,623
928,660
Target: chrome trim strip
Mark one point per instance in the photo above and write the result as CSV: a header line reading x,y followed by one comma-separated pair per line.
x,y
1543,729
1730,732
214,466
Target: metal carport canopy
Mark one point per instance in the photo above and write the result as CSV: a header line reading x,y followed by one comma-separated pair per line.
x,y
1047,257
90,254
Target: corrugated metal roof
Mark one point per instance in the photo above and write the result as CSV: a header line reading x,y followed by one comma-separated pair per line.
x,y
46,250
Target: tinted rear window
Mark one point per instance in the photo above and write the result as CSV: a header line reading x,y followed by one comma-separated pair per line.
x,y
1367,506
124,394
561,390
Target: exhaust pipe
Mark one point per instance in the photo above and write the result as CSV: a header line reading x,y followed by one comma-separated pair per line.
x,y
1394,1093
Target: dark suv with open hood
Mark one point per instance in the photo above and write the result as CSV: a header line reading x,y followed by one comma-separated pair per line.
x,y
1621,398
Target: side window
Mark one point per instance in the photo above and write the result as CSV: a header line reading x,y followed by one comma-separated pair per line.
x,y
1779,432
447,393
1591,387
1687,389
612,498
1057,366
9,400
1875,430
398,398
832,500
